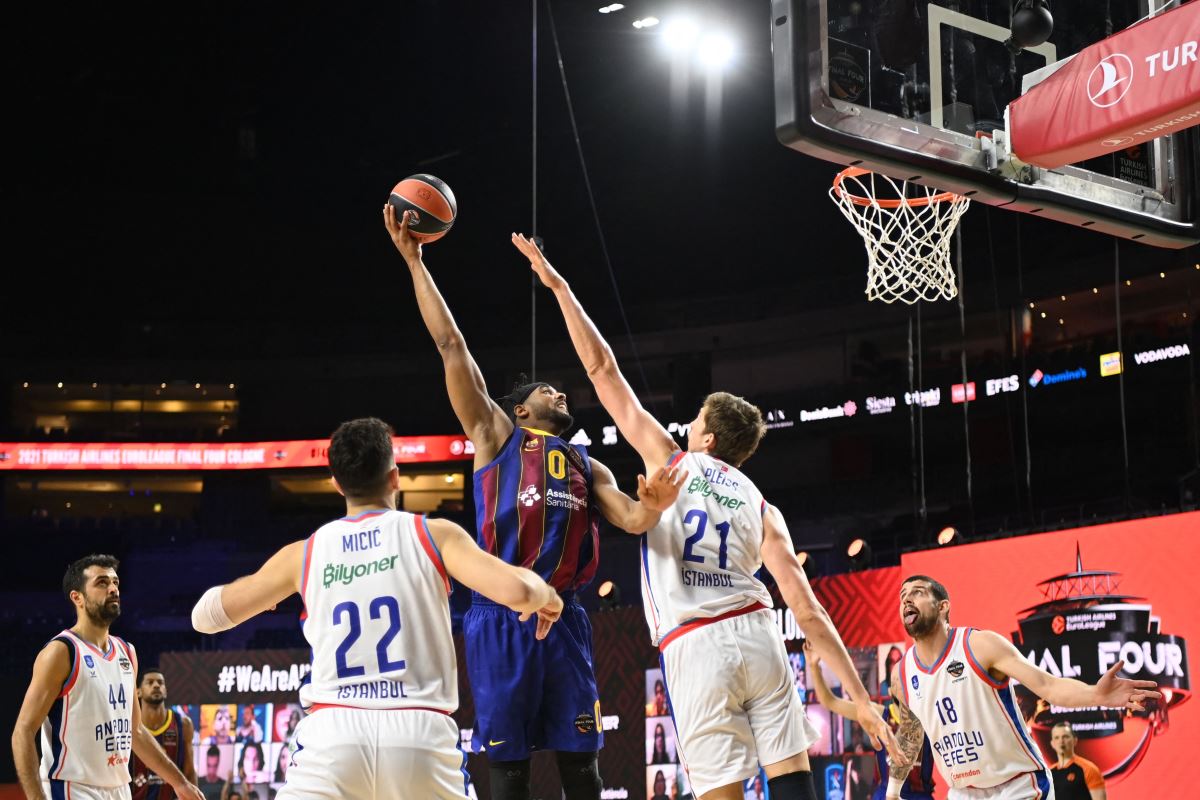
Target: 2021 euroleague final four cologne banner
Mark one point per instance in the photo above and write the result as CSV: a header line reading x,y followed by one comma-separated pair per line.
x,y
1074,602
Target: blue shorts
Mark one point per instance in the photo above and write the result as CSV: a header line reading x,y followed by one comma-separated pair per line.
x,y
531,695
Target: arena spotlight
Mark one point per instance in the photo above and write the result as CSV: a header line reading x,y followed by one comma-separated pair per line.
x,y
645,22
716,50
949,535
610,596
611,7
680,35
859,553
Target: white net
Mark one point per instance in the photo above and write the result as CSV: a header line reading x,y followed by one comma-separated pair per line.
x,y
906,228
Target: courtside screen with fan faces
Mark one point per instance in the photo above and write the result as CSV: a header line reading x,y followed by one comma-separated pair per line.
x,y
921,90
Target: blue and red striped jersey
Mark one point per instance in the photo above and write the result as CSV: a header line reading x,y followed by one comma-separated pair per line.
x,y
147,785
534,508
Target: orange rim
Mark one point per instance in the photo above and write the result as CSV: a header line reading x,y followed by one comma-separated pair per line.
x,y
854,172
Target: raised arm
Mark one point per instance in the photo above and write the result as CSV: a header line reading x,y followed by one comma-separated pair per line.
x,y
50,671
520,589
909,736
643,431
999,657
223,607
654,497
780,559
484,422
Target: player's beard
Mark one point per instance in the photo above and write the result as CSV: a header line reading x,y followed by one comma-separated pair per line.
x,y
923,625
103,614
560,420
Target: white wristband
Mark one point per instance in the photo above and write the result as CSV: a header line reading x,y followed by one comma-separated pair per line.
x,y
894,786
209,614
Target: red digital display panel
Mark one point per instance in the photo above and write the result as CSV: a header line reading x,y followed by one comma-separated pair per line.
x,y
213,456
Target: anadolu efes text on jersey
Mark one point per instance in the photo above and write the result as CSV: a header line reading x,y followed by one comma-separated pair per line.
x,y
699,561
975,729
375,612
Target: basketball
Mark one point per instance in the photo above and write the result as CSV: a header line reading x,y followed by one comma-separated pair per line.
x,y
432,203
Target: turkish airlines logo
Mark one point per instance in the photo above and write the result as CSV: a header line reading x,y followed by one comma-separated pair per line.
x,y
1110,80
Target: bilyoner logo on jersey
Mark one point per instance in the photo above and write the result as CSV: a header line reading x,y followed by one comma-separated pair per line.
x,y
1081,629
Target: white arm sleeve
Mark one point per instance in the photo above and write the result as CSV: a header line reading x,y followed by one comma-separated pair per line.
x,y
209,615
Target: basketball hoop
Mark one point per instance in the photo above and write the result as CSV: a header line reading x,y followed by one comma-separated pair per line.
x,y
906,228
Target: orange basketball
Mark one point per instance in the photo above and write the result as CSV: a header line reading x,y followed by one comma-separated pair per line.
x,y
432,203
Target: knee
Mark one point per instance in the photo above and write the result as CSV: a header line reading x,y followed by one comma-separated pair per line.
x,y
580,775
510,779
793,786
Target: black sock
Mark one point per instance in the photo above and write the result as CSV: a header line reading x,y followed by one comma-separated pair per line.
x,y
510,779
580,775
793,786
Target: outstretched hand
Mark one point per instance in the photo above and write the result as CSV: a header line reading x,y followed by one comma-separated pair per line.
x,y
1116,692
547,615
659,493
547,274
882,737
405,242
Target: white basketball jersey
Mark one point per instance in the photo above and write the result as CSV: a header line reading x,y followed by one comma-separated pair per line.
x,y
88,735
975,729
377,615
699,561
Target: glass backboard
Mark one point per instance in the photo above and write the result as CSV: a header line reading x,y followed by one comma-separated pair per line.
x,y
917,89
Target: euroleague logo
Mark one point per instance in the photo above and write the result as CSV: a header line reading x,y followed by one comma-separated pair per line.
x,y
1086,624
1110,80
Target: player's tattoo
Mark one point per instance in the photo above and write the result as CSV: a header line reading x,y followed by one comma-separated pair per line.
x,y
910,735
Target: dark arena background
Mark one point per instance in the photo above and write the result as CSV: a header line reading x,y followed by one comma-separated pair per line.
x,y
198,289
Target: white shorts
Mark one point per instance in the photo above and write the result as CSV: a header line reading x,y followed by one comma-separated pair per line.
x,y
368,753
83,791
734,702
1026,786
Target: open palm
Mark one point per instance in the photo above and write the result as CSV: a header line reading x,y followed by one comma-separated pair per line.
x,y
660,491
547,274
1116,692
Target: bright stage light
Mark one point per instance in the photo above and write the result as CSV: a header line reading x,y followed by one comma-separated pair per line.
x,y
680,35
716,50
